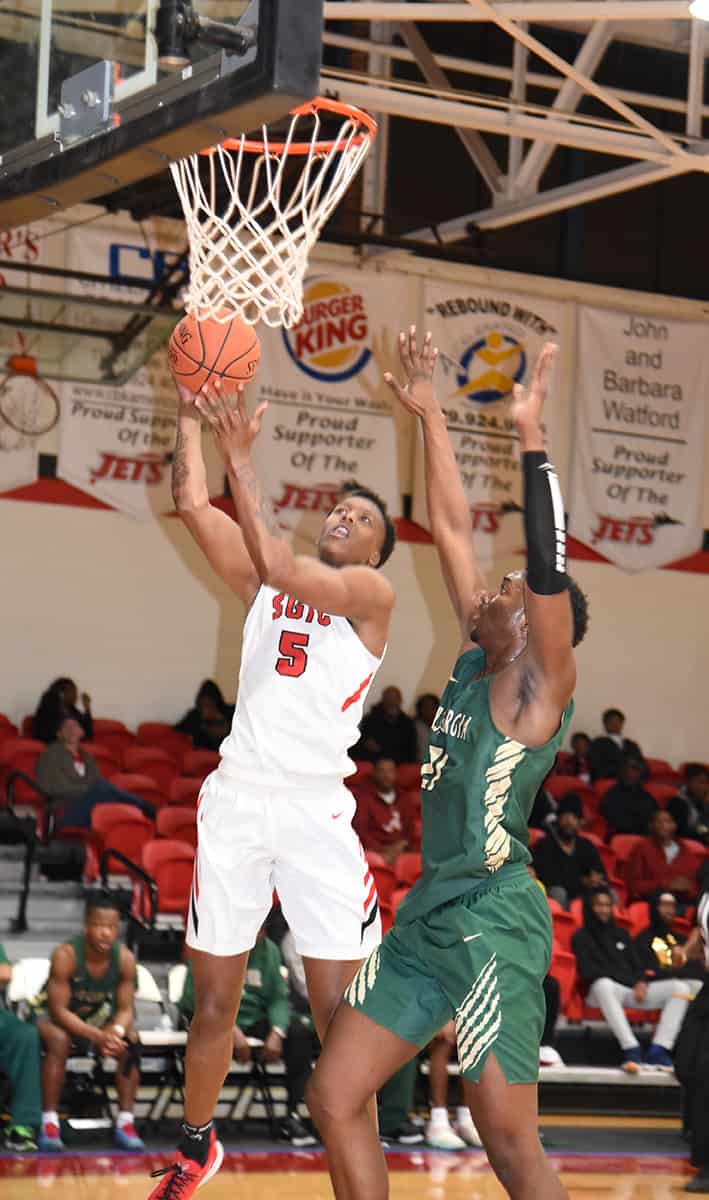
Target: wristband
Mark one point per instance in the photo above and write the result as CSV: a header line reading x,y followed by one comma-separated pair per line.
x,y
277,1029
120,1029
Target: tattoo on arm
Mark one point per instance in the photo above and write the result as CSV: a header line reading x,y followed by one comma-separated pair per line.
x,y
180,470
246,476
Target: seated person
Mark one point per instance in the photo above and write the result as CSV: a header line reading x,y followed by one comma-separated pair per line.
x,y
610,968
19,1059
660,950
209,721
692,1060
71,777
580,763
440,1134
662,864
548,1054
627,807
386,731
690,807
567,863
384,818
57,702
265,1013
543,814
605,752
88,1005
426,709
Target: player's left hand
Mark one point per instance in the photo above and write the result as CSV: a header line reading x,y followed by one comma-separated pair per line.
x,y
234,430
417,394
528,403
272,1047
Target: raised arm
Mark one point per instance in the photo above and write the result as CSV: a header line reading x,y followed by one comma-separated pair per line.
x,y
356,592
549,613
448,508
218,537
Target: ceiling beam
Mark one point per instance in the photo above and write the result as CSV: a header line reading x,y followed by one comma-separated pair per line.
x,y
475,146
542,11
566,100
695,83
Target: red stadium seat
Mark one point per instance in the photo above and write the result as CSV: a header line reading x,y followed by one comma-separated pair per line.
x,y
159,733
120,827
601,786
399,896
562,761
27,725
106,759
564,927
21,754
184,790
408,868
113,735
387,914
659,766
639,915
152,761
563,969
386,881
623,845
408,775
178,823
138,785
170,864
662,793
199,763
535,835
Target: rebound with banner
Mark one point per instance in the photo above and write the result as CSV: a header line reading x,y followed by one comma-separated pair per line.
x,y
638,470
116,443
488,340
329,417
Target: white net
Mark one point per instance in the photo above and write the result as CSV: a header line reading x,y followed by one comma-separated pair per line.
x,y
254,210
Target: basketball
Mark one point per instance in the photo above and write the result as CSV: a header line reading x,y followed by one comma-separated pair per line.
x,y
200,351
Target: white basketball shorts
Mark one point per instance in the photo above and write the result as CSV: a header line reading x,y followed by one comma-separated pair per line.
x,y
253,840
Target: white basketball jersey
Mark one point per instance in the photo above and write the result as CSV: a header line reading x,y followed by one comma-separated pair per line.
x,y
303,682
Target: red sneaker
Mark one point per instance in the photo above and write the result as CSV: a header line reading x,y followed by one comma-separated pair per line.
x,y
182,1178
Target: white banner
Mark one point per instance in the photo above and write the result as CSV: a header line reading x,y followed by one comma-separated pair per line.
x,y
642,386
329,418
488,341
117,442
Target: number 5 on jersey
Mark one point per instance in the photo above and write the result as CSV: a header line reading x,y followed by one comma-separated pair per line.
x,y
292,649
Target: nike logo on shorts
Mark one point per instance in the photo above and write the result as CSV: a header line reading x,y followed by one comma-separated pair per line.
x,y
336,815
471,937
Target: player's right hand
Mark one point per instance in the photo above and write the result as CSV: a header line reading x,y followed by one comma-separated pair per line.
x,y
417,394
242,1049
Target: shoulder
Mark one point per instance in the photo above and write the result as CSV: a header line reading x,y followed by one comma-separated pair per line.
x,y
126,963
63,960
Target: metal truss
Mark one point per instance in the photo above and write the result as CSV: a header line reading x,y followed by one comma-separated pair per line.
x,y
646,152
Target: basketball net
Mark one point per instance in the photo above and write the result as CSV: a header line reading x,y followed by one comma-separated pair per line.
x,y
249,259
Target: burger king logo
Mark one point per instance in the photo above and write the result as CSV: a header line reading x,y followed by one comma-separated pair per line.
x,y
329,343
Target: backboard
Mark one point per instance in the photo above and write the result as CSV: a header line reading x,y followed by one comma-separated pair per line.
x,y
97,94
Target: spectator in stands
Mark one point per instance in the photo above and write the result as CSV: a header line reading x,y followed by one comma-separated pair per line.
x,y
19,1059
265,1013
580,762
440,1134
662,864
548,1054
387,730
690,807
611,969
568,864
88,1007
71,777
384,818
209,721
692,1057
426,709
606,751
627,807
658,945
58,702
543,814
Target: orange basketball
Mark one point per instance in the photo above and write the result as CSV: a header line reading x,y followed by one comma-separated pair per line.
x,y
200,351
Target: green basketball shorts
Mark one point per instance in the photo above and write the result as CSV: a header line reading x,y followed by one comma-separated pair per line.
x,y
482,959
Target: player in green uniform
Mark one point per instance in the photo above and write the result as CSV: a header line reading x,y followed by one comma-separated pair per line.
x,y
472,940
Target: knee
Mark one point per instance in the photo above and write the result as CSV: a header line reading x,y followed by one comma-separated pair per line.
x,y
513,1157
215,1010
56,1041
326,1103
603,987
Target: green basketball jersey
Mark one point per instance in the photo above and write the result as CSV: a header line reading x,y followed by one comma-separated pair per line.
x,y
94,1000
477,790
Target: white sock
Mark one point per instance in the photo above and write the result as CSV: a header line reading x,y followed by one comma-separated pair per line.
x,y
50,1118
124,1118
462,1113
439,1116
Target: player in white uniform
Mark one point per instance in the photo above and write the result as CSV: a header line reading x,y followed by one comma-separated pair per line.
x,y
276,813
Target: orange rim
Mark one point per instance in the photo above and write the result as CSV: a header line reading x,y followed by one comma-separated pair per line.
x,y
22,364
311,107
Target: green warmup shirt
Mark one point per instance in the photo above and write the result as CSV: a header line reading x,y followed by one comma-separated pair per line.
x,y
477,791
265,994
4,960
93,1000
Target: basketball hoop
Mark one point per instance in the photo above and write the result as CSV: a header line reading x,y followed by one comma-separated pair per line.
x,y
250,258
27,402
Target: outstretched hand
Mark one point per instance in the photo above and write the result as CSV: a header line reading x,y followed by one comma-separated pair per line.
x,y
417,394
528,403
234,430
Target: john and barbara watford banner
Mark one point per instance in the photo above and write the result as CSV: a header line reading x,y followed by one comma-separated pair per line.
x,y
637,485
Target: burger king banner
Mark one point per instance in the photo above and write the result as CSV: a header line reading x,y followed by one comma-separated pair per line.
x,y
329,417
488,341
116,443
638,474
